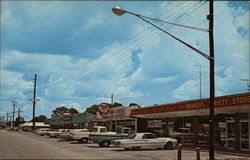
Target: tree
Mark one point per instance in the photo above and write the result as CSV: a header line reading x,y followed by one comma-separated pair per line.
x,y
93,109
59,111
134,104
73,111
116,104
41,118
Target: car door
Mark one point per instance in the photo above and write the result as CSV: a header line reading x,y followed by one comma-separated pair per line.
x,y
151,141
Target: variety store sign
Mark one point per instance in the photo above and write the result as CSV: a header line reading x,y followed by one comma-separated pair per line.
x,y
224,101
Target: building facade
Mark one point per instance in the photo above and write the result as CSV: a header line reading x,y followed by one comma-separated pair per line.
x,y
74,121
232,121
112,118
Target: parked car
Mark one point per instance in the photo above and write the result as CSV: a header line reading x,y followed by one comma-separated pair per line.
x,y
105,139
43,131
65,135
182,135
55,133
138,141
82,135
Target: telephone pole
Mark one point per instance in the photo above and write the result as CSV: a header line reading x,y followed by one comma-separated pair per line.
x,y
7,115
210,17
19,110
34,100
14,104
200,81
11,123
111,116
7,120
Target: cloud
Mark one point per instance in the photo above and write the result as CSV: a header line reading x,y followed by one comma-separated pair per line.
x,y
187,90
81,58
160,80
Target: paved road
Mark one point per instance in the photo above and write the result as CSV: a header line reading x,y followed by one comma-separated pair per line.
x,y
26,145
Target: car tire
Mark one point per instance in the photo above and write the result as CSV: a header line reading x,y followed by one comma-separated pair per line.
x,y
136,148
105,144
85,140
178,139
168,146
80,141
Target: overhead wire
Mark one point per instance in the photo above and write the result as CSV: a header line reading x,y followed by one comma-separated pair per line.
x,y
131,42
179,16
154,31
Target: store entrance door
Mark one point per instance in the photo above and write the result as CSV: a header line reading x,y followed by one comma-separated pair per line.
x,y
244,135
230,134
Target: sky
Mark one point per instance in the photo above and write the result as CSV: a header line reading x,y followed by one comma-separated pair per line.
x,y
82,53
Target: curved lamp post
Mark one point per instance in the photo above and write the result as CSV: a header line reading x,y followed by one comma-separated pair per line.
x,y
119,11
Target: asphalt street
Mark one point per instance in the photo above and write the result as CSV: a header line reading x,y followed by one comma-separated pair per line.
x,y
26,145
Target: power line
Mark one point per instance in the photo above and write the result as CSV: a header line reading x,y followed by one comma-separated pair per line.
x,y
148,37
134,44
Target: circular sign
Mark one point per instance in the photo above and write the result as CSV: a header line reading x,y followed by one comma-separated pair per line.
x,y
66,116
103,109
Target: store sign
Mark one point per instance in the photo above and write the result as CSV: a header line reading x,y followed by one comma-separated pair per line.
x,y
154,123
116,113
66,117
104,109
224,101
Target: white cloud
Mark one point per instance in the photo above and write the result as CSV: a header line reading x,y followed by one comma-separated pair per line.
x,y
160,80
187,90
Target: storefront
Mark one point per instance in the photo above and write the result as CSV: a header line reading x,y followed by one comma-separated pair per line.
x,y
189,121
75,121
112,118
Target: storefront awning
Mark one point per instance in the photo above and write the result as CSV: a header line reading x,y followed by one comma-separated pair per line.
x,y
238,103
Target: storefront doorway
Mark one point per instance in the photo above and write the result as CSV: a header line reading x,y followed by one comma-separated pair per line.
x,y
244,135
230,134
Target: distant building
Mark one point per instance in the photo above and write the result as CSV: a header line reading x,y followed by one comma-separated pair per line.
x,y
28,126
71,121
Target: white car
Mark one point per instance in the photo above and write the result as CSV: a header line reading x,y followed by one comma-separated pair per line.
x,y
145,141
43,131
55,133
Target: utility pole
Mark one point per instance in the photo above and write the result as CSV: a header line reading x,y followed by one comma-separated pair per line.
x,y
7,120
200,81
111,116
19,110
7,115
11,123
14,103
210,17
34,101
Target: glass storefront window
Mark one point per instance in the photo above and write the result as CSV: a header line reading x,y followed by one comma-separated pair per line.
x,y
244,137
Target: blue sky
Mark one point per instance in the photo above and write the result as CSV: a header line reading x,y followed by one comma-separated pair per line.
x,y
82,53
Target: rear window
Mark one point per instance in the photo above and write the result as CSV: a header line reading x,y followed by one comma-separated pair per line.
x,y
103,130
148,136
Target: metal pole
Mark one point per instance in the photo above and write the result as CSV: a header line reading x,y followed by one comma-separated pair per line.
x,y
212,86
14,109
179,152
200,81
198,153
111,116
34,102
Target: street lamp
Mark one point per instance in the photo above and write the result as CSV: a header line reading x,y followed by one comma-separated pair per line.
x,y
119,11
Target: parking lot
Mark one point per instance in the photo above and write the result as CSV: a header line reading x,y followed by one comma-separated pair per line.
x,y
27,145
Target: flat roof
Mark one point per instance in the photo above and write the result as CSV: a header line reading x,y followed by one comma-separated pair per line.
x,y
237,103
